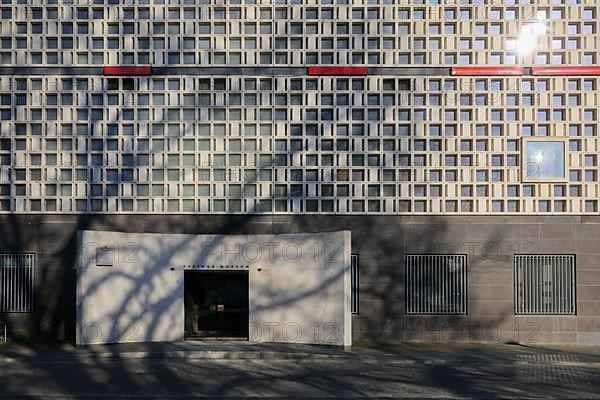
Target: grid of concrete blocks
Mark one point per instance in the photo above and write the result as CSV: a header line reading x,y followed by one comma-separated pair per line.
x,y
232,142
294,32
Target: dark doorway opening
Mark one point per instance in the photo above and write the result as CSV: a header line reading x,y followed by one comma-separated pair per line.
x,y
216,305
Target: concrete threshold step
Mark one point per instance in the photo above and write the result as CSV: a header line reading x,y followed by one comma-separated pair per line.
x,y
218,351
218,355
190,355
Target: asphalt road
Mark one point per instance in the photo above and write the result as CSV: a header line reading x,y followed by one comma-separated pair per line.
x,y
385,376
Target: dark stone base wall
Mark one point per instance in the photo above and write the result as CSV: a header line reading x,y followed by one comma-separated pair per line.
x,y
381,243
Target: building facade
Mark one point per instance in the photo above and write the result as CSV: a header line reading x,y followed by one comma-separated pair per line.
x,y
456,140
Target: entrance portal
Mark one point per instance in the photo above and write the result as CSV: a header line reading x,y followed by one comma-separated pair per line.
x,y
283,288
216,304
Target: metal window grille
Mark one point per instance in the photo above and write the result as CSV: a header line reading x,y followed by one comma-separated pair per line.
x,y
16,282
544,284
354,282
436,284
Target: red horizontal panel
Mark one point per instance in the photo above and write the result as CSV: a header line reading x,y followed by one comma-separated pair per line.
x,y
488,70
127,70
338,70
566,71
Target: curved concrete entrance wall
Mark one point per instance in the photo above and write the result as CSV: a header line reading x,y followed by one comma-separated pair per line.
x,y
130,285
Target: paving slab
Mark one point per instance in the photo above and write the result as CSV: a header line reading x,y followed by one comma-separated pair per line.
x,y
480,353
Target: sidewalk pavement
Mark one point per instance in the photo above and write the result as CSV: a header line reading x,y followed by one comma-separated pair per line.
x,y
410,353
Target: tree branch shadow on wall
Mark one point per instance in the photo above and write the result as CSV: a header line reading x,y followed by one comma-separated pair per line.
x,y
382,316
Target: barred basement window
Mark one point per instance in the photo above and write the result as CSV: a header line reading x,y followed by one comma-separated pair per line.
x,y
544,284
354,282
16,282
436,284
